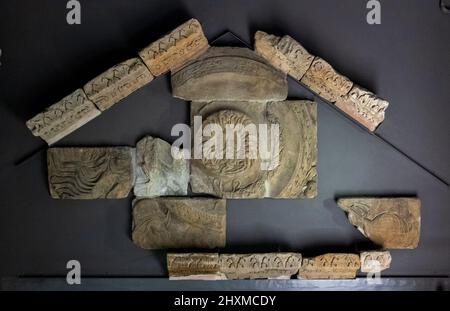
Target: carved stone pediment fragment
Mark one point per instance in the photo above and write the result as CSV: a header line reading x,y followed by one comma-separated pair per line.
x,y
162,223
325,81
64,117
229,74
375,261
287,172
117,83
260,266
296,173
158,173
330,266
284,53
194,266
227,178
363,106
90,173
184,43
389,222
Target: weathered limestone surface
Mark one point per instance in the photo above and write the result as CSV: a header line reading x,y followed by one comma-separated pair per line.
x,y
330,266
374,262
231,74
325,81
179,223
284,53
363,106
157,172
194,266
64,117
117,83
260,266
289,173
176,48
90,173
389,222
296,173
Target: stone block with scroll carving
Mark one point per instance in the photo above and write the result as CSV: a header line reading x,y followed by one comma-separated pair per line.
x,y
325,81
375,261
363,106
64,117
330,266
290,172
158,173
117,83
90,173
194,266
229,74
176,48
388,222
163,223
260,266
284,53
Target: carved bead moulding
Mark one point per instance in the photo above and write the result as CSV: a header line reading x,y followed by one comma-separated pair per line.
x,y
174,49
330,266
64,117
117,83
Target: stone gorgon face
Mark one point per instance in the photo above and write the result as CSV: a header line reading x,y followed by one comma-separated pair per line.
x,y
226,166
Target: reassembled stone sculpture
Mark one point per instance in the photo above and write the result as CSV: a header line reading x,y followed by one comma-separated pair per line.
x,y
227,86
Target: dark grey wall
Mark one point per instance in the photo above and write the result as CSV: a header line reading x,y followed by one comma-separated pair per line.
x,y
405,60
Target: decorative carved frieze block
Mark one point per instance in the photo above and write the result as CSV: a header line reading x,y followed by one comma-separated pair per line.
x,y
64,117
363,106
389,222
287,171
229,74
117,83
284,53
90,173
194,266
325,81
162,223
176,48
375,261
158,173
260,266
330,266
